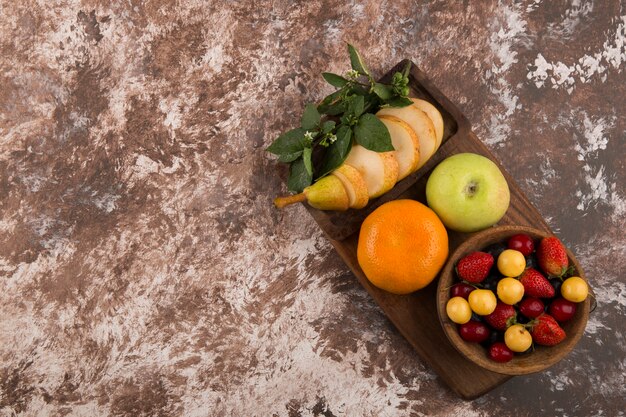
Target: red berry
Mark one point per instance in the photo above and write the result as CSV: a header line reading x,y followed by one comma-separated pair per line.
x,y
552,256
474,267
535,284
500,317
461,290
562,310
531,307
522,243
546,331
499,352
474,331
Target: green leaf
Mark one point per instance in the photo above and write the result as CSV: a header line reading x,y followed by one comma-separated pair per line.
x,y
334,79
372,134
310,117
337,153
289,157
289,145
328,126
383,91
333,109
356,105
332,104
332,97
356,61
306,156
359,90
399,102
299,178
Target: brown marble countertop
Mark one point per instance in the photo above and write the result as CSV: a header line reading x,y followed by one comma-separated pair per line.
x,y
144,269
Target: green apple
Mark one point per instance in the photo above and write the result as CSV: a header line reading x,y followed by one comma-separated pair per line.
x,y
468,192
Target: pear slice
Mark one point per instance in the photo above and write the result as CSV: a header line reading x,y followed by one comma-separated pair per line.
x,y
421,124
379,169
405,143
327,193
355,185
434,114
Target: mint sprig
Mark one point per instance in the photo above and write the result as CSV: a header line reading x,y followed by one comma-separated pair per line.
x,y
341,119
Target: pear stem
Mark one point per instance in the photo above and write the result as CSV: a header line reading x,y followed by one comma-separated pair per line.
x,y
281,202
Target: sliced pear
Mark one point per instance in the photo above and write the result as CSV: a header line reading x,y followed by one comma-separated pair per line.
x,y
326,194
355,185
421,124
435,116
405,143
379,169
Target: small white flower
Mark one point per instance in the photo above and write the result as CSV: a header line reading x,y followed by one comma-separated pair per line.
x,y
332,138
308,136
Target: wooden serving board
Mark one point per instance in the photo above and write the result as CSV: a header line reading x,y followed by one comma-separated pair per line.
x,y
415,315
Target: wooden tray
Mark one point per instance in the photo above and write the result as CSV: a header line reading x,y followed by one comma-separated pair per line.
x,y
415,315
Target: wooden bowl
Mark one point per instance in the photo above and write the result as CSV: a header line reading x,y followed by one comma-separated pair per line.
x,y
542,357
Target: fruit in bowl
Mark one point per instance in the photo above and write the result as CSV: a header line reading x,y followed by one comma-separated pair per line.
x,y
534,299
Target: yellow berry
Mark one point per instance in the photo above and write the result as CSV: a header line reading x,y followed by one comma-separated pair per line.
x,y
482,302
517,338
511,263
574,289
458,310
510,291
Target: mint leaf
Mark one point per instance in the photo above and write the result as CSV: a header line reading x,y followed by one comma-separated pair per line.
x,y
328,126
383,91
337,152
356,61
399,102
289,157
310,117
306,156
333,109
289,145
332,104
331,98
372,134
334,79
299,178
356,105
359,90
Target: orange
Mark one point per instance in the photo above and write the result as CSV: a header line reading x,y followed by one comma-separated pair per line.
x,y
402,246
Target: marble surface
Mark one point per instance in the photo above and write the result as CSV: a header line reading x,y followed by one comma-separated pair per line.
x,y
144,270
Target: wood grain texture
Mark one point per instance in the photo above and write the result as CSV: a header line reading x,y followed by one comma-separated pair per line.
x,y
415,315
542,357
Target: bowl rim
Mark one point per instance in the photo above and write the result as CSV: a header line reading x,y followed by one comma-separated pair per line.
x,y
471,350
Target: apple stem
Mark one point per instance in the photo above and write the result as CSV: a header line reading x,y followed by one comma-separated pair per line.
x,y
281,202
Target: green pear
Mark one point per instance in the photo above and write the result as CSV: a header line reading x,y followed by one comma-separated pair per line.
x,y
326,194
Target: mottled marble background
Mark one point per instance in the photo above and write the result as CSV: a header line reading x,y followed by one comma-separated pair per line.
x,y
143,268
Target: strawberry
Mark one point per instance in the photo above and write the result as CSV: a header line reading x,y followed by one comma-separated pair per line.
x,y
474,267
502,317
552,257
535,284
546,331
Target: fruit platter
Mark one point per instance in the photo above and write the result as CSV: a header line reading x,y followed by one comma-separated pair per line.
x,y
393,174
